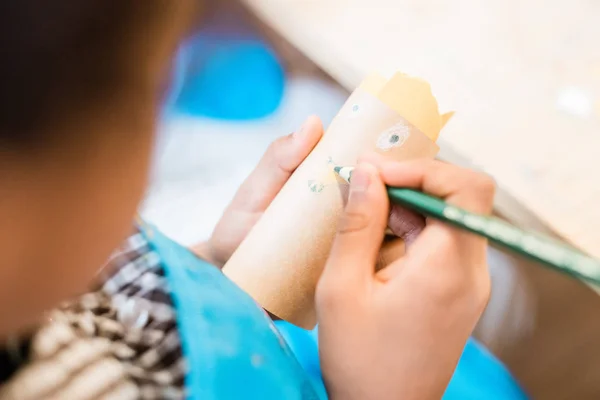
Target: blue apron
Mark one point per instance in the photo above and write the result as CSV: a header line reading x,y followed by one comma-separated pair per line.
x,y
234,351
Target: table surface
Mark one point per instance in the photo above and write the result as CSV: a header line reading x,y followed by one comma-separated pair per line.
x,y
523,78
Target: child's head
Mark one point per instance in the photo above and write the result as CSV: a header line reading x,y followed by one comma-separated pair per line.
x,y
80,86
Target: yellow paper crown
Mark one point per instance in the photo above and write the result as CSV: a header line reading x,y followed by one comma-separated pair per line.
x,y
411,98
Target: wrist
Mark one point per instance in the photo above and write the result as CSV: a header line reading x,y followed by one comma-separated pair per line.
x,y
205,251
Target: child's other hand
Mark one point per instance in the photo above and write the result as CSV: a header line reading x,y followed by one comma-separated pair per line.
x,y
398,333
258,191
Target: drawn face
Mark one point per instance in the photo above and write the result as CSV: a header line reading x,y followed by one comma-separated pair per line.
x,y
392,137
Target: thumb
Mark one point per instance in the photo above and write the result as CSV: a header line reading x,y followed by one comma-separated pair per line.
x,y
361,229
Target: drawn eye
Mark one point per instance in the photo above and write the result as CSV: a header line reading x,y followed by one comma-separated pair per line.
x,y
393,137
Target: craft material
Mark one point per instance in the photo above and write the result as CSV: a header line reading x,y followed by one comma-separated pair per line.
x,y
550,252
281,259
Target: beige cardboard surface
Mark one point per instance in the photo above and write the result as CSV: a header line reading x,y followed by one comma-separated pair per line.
x,y
280,261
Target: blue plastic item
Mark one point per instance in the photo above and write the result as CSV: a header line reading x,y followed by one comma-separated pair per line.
x,y
230,79
480,375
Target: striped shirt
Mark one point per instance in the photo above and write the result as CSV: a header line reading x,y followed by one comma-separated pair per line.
x,y
119,341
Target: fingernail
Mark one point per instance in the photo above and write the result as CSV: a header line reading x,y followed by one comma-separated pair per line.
x,y
361,179
300,131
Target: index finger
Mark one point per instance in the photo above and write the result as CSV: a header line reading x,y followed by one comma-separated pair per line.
x,y
462,187
276,166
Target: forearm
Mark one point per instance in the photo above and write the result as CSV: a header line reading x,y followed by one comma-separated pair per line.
x,y
406,384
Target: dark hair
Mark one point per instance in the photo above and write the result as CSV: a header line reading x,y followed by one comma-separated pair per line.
x,y
59,57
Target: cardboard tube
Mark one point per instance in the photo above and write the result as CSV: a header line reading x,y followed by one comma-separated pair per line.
x,y
280,261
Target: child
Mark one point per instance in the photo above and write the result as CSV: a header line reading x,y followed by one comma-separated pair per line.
x,y
81,87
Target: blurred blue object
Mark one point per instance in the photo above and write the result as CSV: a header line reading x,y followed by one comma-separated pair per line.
x,y
479,375
229,78
304,345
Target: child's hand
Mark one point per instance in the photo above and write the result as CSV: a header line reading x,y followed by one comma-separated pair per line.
x,y
399,332
260,188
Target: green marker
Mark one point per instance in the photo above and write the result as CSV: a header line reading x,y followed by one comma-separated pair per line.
x,y
548,251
